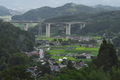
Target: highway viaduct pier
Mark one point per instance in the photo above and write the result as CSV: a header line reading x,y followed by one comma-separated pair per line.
x,y
48,24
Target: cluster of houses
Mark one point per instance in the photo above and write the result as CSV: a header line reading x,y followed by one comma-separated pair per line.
x,y
55,66
74,38
84,56
47,43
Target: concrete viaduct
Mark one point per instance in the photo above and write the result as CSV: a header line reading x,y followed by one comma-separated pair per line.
x,y
48,24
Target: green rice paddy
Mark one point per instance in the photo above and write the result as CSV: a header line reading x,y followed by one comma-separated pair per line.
x,y
56,52
69,51
61,57
49,38
86,48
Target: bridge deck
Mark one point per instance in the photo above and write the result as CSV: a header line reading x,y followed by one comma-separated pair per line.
x,y
47,22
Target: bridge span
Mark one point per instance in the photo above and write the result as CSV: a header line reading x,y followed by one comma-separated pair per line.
x,y
48,24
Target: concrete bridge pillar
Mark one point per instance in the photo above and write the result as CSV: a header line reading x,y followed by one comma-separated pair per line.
x,y
82,25
68,29
48,30
26,27
39,29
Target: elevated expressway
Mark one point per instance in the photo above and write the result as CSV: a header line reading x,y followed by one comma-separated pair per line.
x,y
48,24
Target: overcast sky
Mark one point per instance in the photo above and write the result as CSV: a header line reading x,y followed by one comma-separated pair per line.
x,y
31,4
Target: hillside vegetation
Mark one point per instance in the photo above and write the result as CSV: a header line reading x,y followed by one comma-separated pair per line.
x,y
13,38
103,23
12,42
4,11
65,10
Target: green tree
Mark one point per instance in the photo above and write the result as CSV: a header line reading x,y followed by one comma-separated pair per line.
x,y
118,51
60,40
55,40
16,73
45,68
18,59
3,64
70,65
97,75
107,57
115,74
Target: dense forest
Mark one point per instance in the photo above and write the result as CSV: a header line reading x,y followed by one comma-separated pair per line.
x,y
13,41
46,12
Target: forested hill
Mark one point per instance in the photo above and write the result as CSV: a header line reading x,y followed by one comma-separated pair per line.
x,y
12,39
88,17
4,11
67,9
104,23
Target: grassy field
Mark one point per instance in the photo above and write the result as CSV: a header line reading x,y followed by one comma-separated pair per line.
x,y
61,57
87,60
77,51
53,52
61,51
69,51
96,37
80,48
49,38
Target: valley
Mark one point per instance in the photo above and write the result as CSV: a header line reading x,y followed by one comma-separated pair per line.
x,y
69,42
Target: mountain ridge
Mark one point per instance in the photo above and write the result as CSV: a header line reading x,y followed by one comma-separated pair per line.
x,y
4,11
65,10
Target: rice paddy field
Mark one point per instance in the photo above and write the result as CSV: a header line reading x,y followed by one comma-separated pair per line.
x,y
48,38
71,50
